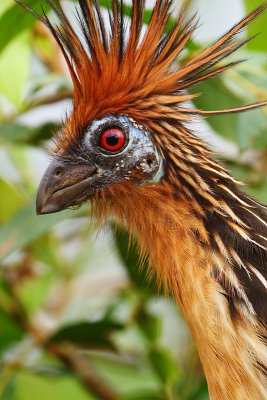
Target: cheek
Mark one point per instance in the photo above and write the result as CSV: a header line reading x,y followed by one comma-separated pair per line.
x,y
146,167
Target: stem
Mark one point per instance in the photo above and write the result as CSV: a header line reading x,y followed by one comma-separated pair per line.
x,y
73,358
62,95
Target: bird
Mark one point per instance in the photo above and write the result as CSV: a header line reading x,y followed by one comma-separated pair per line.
x,y
127,147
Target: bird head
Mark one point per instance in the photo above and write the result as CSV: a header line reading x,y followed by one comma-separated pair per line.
x,y
111,150
129,122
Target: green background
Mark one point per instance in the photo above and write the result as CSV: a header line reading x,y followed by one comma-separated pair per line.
x,y
77,315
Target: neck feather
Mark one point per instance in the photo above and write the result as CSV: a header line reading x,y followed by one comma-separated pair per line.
x,y
211,250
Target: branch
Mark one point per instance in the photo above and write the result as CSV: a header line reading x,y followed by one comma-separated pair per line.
x,y
61,95
74,358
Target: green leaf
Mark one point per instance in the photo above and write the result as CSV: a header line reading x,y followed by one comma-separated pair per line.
x,y
89,334
133,379
163,364
248,81
15,20
30,386
251,130
26,227
216,96
10,332
257,27
4,5
259,189
33,291
149,325
200,391
10,201
14,68
12,132
9,391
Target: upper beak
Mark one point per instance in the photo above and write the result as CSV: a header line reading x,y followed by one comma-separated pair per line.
x,y
64,185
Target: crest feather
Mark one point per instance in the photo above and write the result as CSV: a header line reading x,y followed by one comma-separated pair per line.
x,y
124,72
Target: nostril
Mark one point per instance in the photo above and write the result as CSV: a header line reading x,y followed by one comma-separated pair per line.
x,y
57,172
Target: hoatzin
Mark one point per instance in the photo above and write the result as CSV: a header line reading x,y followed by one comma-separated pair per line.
x,y
127,147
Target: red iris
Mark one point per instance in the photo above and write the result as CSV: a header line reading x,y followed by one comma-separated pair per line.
x,y
113,139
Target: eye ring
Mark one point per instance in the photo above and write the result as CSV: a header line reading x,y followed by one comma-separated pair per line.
x,y
112,140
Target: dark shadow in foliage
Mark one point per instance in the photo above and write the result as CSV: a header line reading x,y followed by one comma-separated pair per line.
x,y
88,334
136,269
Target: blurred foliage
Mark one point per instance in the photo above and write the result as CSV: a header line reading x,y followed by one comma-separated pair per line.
x,y
78,318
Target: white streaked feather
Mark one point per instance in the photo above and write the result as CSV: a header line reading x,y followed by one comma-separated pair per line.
x,y
256,216
235,196
234,282
258,275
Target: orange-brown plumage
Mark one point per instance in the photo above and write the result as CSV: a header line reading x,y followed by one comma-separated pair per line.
x,y
206,239
134,77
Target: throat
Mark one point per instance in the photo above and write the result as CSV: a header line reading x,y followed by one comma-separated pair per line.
x,y
216,275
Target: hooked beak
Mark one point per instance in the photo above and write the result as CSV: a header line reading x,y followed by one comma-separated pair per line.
x,y
64,185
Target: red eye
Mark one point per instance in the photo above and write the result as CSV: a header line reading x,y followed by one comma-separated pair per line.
x,y
113,139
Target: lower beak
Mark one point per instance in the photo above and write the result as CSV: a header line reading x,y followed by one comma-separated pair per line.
x,y
64,185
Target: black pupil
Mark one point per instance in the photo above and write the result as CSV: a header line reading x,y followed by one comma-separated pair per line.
x,y
112,139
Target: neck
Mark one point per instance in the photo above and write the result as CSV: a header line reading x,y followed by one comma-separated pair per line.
x,y
199,256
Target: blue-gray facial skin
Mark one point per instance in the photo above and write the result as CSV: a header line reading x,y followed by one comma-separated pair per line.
x,y
93,166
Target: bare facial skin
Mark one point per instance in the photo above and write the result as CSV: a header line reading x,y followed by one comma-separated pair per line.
x,y
113,149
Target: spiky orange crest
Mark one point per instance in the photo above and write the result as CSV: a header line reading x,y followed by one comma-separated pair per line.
x,y
128,71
